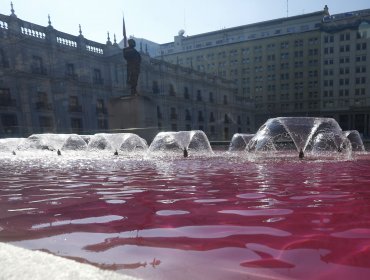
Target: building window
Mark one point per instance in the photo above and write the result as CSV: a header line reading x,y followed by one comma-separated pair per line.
x,y
226,133
329,39
5,98
76,125
345,36
42,101
46,123
97,78
3,61
200,116
100,108
211,117
37,66
155,87
199,95
187,115
226,118
211,97
159,113
173,115
102,124
70,70
10,123
74,105
172,90
186,93
345,48
361,46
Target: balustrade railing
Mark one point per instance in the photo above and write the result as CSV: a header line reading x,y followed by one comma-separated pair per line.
x,y
94,49
33,33
3,24
32,30
66,42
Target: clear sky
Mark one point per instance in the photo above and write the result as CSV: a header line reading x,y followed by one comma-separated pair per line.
x,y
160,20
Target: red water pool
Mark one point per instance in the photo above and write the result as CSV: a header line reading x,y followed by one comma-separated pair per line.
x,y
195,218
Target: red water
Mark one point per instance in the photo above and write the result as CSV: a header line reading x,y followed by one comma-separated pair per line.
x,y
205,218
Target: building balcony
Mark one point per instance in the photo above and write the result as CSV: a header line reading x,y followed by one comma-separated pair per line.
x,y
173,116
43,106
75,109
188,118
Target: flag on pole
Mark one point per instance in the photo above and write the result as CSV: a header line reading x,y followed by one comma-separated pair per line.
x,y
124,32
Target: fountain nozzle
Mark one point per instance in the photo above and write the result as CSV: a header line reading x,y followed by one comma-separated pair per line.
x,y
186,153
301,154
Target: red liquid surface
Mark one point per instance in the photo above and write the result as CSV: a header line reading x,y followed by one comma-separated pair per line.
x,y
194,218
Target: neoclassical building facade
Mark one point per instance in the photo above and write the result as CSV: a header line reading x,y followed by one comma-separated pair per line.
x,y
51,81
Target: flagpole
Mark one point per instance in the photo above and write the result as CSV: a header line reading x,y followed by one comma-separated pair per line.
x,y
124,32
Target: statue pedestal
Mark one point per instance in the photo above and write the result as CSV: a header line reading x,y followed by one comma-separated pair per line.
x,y
134,113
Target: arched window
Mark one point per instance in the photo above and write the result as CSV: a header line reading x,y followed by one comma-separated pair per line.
x,y
199,95
186,93
172,90
211,117
226,119
187,115
3,61
155,87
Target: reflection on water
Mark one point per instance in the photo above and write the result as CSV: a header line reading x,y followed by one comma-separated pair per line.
x,y
214,217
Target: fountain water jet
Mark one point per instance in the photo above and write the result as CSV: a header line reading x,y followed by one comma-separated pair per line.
x,y
298,134
10,144
127,142
47,141
329,142
355,139
74,143
195,142
240,141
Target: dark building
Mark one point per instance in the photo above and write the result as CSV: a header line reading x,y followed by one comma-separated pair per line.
x,y
51,81
55,82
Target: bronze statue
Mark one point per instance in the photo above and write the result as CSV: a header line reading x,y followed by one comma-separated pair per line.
x,y
133,59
